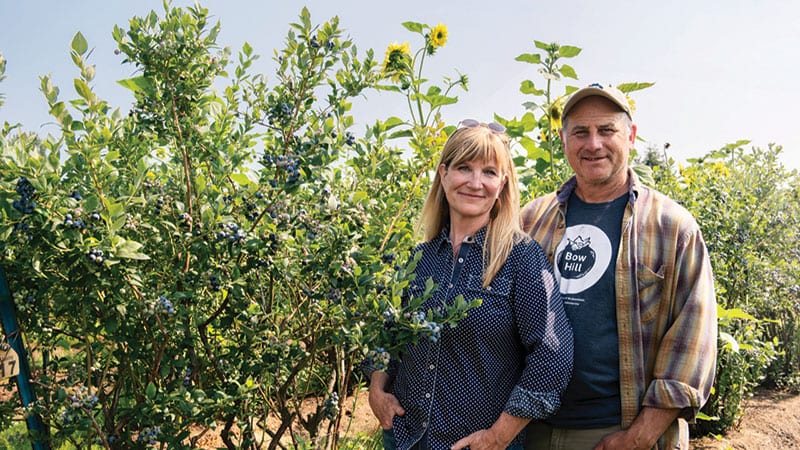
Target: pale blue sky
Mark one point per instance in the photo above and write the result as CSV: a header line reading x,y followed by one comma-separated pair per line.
x,y
724,70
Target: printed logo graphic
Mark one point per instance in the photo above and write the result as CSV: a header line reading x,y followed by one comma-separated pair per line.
x,y
581,258
577,259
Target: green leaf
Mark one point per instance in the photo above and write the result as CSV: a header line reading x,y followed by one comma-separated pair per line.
x,y
128,249
247,49
568,51
83,89
115,209
730,341
734,313
531,58
358,196
151,390
414,27
568,71
534,151
401,134
79,44
631,87
138,84
392,122
527,87
529,121
645,174
706,417
439,100
542,45
241,179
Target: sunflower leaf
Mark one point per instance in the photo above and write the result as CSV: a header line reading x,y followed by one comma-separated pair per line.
x,y
568,51
414,27
531,58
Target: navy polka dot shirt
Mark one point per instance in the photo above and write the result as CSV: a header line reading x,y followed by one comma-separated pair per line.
x,y
512,354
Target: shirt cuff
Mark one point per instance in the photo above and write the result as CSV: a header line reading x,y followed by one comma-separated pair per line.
x,y
671,394
532,405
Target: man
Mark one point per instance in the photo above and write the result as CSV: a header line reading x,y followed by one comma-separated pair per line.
x,y
637,285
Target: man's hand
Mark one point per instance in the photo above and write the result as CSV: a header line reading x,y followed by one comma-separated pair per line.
x,y
643,434
383,404
621,440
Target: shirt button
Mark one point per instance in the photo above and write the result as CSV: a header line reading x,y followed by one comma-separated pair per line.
x,y
432,366
424,424
460,260
449,285
488,288
427,395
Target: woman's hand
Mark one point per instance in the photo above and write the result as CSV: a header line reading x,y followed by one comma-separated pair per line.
x,y
497,437
481,440
384,405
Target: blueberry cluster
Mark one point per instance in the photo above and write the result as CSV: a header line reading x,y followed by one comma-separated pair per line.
x,y
165,305
431,330
292,168
185,219
252,212
389,316
22,227
76,195
331,406
231,232
290,165
71,222
213,281
272,238
187,377
378,359
387,258
84,401
25,203
314,43
159,205
335,295
149,435
78,403
349,139
279,112
96,256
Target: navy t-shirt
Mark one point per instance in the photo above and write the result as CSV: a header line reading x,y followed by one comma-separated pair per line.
x,y
584,264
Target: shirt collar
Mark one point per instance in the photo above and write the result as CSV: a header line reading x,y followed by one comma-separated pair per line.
x,y
567,188
443,239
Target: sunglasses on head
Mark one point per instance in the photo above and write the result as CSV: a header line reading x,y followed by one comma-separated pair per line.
x,y
472,123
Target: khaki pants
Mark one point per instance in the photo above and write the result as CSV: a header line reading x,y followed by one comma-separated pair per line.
x,y
544,437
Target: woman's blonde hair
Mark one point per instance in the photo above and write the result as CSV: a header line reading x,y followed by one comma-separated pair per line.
x,y
483,144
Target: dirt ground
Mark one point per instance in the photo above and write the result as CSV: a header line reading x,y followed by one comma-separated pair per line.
x,y
771,422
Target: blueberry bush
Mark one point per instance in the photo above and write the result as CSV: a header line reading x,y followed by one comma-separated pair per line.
x,y
747,205
217,255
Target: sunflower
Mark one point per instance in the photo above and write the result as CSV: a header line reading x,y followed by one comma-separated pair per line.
x,y
554,114
398,60
438,36
631,104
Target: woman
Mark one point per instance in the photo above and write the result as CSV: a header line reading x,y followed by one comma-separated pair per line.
x,y
509,360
